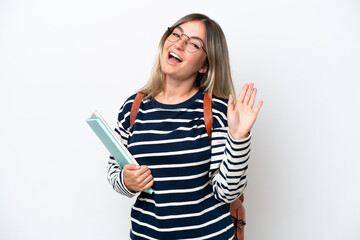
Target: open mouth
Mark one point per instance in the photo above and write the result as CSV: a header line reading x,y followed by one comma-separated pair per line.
x,y
174,58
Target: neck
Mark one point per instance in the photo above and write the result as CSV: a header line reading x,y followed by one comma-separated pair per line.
x,y
176,91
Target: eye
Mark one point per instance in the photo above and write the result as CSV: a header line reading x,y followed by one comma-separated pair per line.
x,y
176,34
194,43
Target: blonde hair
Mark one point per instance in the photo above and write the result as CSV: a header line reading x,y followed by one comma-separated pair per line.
x,y
217,79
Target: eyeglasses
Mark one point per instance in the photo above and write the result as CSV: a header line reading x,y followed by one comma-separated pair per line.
x,y
192,44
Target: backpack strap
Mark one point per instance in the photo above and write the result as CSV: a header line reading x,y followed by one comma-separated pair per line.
x,y
208,114
135,107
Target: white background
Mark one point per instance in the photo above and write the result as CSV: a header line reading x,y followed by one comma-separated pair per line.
x,y
60,60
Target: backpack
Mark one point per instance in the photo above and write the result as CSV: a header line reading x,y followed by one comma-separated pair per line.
x,y
237,210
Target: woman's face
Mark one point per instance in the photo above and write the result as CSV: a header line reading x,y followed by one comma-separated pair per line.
x,y
179,64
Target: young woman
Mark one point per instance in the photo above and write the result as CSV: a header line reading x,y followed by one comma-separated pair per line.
x,y
193,179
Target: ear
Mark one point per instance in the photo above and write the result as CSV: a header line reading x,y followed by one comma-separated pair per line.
x,y
204,68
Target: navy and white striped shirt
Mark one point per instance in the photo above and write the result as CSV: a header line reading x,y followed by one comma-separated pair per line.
x,y
193,181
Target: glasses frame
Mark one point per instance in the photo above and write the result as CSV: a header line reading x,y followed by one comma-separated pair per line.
x,y
170,30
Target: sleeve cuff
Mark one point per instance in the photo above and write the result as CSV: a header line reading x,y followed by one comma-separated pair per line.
x,y
127,191
242,141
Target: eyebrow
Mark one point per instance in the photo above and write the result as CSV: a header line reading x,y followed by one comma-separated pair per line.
x,y
192,36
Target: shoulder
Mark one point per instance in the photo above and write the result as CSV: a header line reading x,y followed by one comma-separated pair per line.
x,y
126,106
124,111
219,110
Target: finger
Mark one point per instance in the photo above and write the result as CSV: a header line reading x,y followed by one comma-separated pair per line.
x,y
252,99
144,168
148,185
242,93
144,184
143,179
144,172
141,176
137,171
131,167
147,180
231,103
258,107
248,93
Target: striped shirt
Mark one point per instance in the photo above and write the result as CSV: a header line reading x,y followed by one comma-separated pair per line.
x,y
193,180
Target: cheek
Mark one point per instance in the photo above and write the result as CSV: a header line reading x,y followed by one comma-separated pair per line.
x,y
166,46
199,62
163,57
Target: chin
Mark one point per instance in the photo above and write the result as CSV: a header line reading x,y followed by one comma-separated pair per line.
x,y
166,69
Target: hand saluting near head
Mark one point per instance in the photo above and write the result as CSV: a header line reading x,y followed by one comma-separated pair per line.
x,y
241,116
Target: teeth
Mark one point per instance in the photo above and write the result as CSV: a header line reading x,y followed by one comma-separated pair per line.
x,y
175,56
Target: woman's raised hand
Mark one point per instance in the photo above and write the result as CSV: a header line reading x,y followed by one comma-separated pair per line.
x,y
137,178
241,116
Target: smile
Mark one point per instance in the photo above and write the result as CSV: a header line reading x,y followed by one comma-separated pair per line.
x,y
174,58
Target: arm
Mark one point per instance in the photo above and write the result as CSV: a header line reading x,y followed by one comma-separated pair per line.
x,y
229,164
231,147
116,179
132,178
115,173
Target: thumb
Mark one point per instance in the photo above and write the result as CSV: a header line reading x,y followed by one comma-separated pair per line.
x,y
132,166
231,102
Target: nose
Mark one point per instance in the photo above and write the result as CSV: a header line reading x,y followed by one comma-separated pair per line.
x,y
180,44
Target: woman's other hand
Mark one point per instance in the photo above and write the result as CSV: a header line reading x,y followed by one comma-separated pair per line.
x,y
241,116
137,178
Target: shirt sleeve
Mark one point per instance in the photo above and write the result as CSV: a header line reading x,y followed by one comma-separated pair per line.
x,y
114,172
229,162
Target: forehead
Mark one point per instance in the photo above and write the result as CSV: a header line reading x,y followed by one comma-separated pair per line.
x,y
194,29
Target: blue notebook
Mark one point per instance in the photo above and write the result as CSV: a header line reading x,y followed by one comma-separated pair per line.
x,y
112,142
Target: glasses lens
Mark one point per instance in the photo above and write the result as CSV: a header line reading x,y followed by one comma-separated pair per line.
x,y
193,45
175,35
